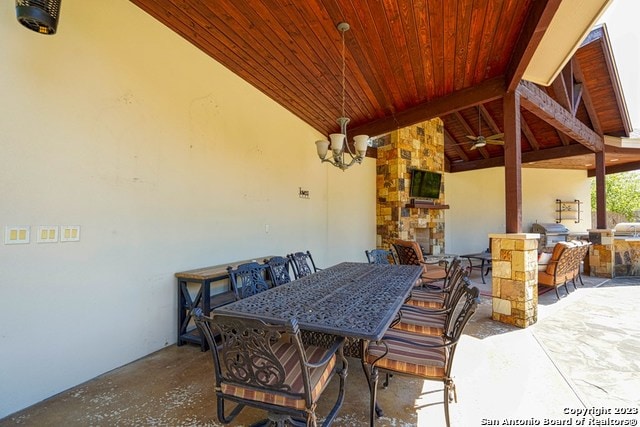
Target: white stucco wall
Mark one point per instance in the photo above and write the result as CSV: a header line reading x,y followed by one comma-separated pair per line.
x,y
168,162
477,204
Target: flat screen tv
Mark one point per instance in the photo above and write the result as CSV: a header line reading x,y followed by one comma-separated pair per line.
x,y
425,184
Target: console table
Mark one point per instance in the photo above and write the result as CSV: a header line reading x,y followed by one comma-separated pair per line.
x,y
203,277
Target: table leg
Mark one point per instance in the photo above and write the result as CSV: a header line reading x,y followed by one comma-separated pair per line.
x,y
182,303
482,271
470,265
375,410
371,373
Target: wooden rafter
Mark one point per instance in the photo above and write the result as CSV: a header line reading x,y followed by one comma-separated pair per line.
x,y
625,167
526,130
487,118
543,106
456,145
484,92
559,85
528,157
577,96
586,98
563,138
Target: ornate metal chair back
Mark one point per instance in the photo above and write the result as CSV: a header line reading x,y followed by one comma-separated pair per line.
x,y
248,279
464,309
302,263
279,270
265,365
380,256
409,253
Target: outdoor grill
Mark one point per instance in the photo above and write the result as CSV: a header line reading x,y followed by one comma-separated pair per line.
x,y
627,229
550,234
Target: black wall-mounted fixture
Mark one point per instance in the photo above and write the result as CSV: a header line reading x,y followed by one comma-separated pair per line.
x,y
40,16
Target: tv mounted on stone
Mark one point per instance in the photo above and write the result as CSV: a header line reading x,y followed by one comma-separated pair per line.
x,y
425,184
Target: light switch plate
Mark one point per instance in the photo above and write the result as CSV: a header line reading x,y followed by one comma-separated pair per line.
x,y
47,234
69,233
16,234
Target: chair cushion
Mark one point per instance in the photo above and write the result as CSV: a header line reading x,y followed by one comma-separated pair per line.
x,y
410,359
286,353
425,303
420,323
547,279
543,260
425,295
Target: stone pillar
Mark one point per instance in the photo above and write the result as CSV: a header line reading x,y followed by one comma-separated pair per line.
x,y
514,260
420,146
601,253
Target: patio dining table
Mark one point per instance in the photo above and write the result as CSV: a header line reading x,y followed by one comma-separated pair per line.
x,y
354,300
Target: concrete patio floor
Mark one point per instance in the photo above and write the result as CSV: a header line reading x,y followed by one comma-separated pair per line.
x,y
583,353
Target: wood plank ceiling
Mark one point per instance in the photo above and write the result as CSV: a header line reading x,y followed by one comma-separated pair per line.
x,y
406,60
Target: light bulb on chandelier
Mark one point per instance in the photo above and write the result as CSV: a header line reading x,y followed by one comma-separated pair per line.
x,y
340,149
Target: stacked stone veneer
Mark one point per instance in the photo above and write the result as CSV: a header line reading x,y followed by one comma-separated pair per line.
x,y
601,253
514,259
420,146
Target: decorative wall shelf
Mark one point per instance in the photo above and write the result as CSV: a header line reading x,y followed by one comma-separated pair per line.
x,y
421,204
568,210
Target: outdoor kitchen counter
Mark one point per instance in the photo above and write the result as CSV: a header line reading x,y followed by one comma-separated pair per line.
x,y
627,257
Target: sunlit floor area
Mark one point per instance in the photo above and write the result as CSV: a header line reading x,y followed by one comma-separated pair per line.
x,y
583,353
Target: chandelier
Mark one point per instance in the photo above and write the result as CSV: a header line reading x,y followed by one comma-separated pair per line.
x,y
339,144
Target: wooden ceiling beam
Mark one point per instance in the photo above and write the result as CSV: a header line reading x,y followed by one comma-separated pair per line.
x,y
543,106
563,138
456,145
562,95
586,97
528,157
577,96
625,167
489,90
540,15
526,130
487,118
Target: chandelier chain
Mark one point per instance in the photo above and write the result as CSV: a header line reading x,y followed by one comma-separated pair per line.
x,y
343,74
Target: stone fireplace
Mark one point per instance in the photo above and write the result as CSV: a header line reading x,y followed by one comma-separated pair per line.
x,y
422,147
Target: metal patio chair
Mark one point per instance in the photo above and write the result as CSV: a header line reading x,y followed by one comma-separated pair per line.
x,y
279,271
266,366
248,279
423,356
302,263
380,256
410,253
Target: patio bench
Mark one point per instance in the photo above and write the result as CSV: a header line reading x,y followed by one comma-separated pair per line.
x,y
564,265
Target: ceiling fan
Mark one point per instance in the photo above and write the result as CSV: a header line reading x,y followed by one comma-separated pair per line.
x,y
480,140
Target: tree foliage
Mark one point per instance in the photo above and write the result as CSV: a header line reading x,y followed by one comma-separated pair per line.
x,y
623,193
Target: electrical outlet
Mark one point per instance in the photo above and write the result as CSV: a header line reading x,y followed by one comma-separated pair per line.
x,y
69,233
15,235
47,234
